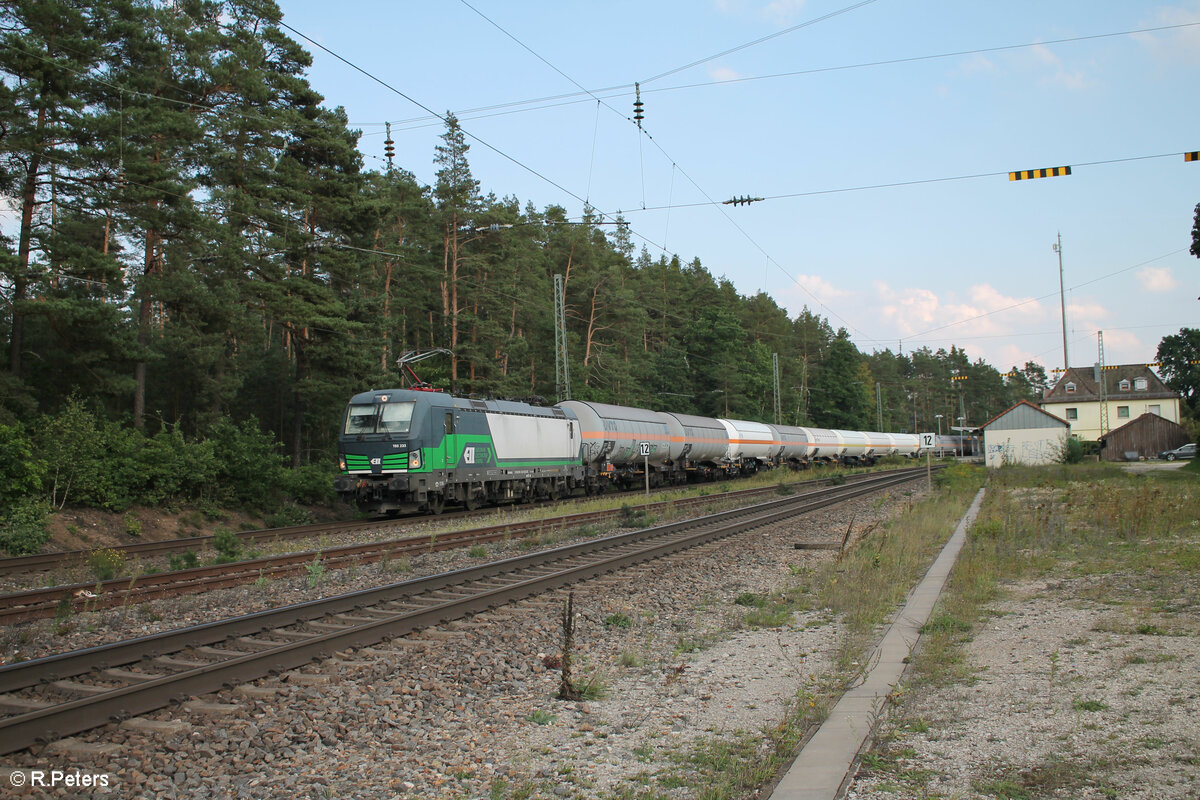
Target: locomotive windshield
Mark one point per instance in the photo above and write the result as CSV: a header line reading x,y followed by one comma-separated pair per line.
x,y
378,418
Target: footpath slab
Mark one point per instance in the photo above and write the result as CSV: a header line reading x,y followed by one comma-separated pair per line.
x,y
822,769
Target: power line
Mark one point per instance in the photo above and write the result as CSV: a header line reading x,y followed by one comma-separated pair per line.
x,y
476,138
900,184
731,50
674,164
1045,296
556,101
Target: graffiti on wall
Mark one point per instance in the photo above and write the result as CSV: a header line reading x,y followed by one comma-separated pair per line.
x,y
1037,451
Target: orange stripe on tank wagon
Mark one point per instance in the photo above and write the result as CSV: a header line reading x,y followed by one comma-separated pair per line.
x,y
624,437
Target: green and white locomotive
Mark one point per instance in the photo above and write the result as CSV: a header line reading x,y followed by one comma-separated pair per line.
x,y
405,451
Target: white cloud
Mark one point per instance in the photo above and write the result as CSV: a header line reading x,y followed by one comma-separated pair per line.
x,y
724,74
1059,74
1086,315
1044,54
808,286
780,12
990,300
783,12
975,64
1158,279
1174,46
986,311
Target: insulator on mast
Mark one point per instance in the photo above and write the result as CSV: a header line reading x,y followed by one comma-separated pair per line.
x,y
638,116
389,146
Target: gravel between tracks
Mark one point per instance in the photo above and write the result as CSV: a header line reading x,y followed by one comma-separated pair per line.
x,y
451,712
1075,695
1068,685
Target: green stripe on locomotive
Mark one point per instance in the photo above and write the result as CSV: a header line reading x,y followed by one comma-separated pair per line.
x,y
469,451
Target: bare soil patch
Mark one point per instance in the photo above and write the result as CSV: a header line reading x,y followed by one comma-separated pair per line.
x,y
1079,688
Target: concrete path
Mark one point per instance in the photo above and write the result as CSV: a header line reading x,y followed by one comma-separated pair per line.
x,y
822,769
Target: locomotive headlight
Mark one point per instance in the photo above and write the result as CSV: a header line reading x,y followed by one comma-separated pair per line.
x,y
342,463
414,459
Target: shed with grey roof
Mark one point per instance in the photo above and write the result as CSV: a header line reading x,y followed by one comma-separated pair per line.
x,y
1024,434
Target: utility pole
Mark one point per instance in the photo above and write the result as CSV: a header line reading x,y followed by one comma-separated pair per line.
x,y
879,405
1100,385
1062,301
562,369
778,399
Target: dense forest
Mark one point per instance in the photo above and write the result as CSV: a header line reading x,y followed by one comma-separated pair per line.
x,y
201,271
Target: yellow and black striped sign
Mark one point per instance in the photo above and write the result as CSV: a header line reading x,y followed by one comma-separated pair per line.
x,y
1049,172
1192,156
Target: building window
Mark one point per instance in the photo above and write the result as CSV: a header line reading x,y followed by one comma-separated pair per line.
x,y
1123,386
1123,412
1155,409
1072,413
1070,388
1140,384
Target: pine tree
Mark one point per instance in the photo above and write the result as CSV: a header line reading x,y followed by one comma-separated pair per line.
x,y
49,49
456,194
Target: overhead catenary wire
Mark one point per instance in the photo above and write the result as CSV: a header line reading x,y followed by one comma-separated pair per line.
x,y
466,132
625,89
671,205
1045,296
642,131
769,37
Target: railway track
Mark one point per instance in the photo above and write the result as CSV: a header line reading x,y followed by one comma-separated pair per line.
x,y
42,562
57,696
89,596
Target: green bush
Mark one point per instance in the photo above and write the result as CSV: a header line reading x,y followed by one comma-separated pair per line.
x,y
958,477
311,484
20,473
106,465
187,560
85,460
1071,452
228,546
23,526
288,515
106,564
73,448
249,467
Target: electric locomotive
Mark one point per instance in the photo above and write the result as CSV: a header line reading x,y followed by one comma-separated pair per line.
x,y
405,451
417,450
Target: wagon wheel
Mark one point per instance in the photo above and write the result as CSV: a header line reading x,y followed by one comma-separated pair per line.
x,y
436,503
472,500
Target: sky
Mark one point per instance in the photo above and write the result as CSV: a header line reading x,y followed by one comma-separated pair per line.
x,y
879,133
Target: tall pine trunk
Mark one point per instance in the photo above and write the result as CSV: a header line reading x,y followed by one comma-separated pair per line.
x,y
24,246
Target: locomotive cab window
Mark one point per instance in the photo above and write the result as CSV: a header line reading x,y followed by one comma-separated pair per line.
x,y
378,418
396,417
360,419
449,422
